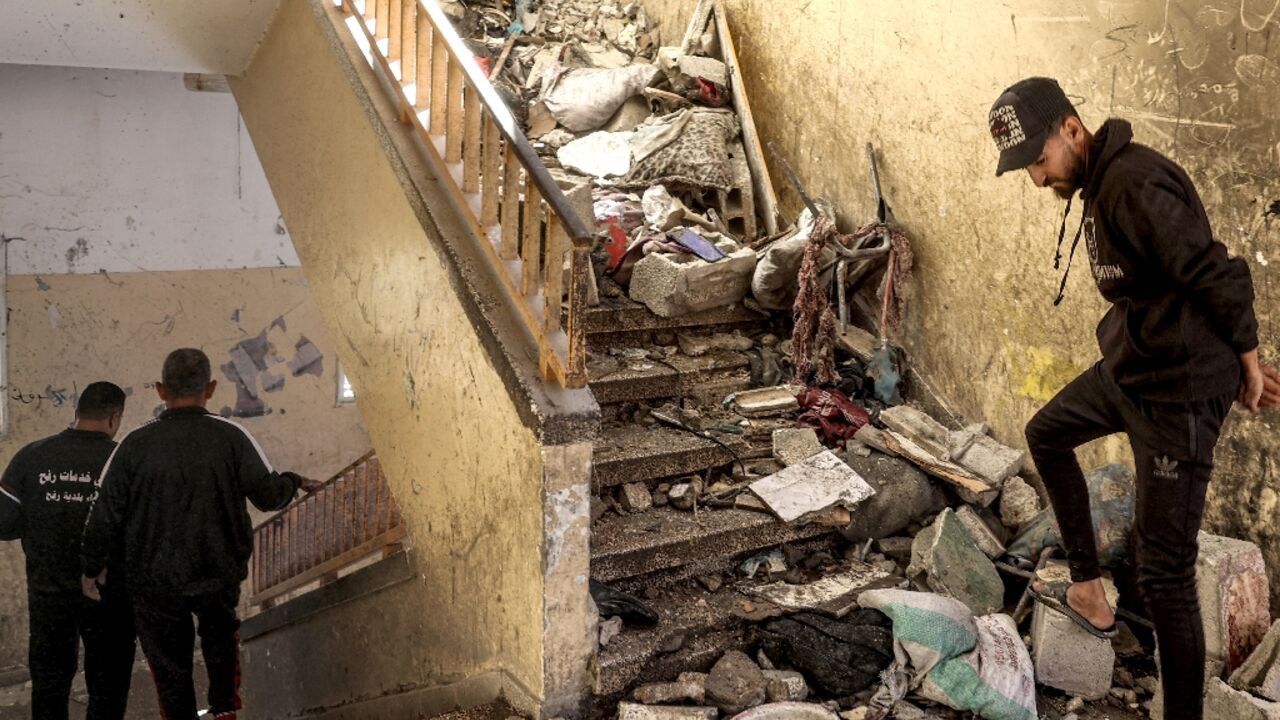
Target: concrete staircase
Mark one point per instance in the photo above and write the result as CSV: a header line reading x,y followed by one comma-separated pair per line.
x,y
657,554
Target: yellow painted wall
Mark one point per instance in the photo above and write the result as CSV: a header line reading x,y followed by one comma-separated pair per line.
x,y
1200,81
465,469
66,331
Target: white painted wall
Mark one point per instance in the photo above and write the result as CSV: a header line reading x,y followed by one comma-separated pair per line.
x,y
125,171
203,36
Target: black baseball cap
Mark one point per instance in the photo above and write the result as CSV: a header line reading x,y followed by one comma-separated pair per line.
x,y
1022,118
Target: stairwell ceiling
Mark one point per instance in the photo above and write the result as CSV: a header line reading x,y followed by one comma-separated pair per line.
x,y
193,36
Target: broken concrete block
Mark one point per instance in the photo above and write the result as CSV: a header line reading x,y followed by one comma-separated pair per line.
x,y
671,692
684,495
763,402
981,454
1019,503
1223,702
672,284
695,345
1067,657
1231,579
736,683
903,495
809,488
681,68
609,629
835,594
1260,674
981,535
954,566
794,445
919,428
785,686
635,497
634,711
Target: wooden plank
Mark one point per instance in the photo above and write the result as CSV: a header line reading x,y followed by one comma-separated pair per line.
x,y
439,80
697,25
510,205
422,66
553,275
380,12
408,40
531,241
359,552
454,129
490,173
969,487
473,114
766,198
575,375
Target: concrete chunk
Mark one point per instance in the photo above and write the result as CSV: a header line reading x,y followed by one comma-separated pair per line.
x,y
763,402
1019,503
1067,657
919,428
794,445
982,455
697,345
1222,702
1260,674
1231,579
635,497
819,483
672,692
978,531
634,711
785,686
672,284
954,566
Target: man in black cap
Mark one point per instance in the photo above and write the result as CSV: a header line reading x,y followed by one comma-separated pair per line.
x,y
173,496
1179,345
45,494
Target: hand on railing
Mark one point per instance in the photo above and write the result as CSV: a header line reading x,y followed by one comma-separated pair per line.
x,y
308,485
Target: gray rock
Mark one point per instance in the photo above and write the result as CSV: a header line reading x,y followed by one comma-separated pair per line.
x,y
785,686
635,497
1260,674
1223,702
979,532
954,566
1068,658
671,692
1019,503
736,683
903,495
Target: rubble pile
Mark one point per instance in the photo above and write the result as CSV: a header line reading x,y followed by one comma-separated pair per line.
x,y
780,528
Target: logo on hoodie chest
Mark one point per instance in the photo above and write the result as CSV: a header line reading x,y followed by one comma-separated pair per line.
x,y
1101,271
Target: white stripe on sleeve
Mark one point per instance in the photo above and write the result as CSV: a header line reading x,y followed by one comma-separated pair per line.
x,y
252,439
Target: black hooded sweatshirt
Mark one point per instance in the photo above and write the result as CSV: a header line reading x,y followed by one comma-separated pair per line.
x,y
173,495
1181,309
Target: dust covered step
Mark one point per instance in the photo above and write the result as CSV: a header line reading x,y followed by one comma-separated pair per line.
x,y
718,372
620,314
663,538
631,453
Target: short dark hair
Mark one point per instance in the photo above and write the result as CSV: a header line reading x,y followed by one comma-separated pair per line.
x,y
186,372
99,400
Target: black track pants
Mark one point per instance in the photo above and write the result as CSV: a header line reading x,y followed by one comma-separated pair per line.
x,y
167,628
1173,451
59,622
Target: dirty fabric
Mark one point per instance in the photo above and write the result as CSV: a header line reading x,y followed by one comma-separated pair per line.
x,y
813,337
842,657
585,98
832,414
697,159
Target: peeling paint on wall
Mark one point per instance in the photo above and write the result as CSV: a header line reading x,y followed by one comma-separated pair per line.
x,y
250,366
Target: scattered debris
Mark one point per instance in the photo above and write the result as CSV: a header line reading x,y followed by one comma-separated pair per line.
x,y
835,594
1066,656
954,566
803,491
1260,673
795,445
764,402
841,657
736,683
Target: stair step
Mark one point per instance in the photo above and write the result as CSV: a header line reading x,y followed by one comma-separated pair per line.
x,y
631,453
663,538
614,315
707,622
714,375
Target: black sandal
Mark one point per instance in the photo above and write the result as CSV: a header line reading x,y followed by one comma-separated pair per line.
x,y
1054,596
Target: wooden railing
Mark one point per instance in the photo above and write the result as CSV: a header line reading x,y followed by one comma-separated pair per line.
x,y
516,212
350,518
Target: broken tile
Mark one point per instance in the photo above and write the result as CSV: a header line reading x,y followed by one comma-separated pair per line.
x,y
835,594
809,488
763,402
1231,579
794,445
954,566
1260,674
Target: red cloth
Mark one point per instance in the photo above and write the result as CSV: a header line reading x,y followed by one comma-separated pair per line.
x,y
832,414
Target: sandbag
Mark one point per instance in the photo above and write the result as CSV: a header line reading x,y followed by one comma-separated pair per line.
x,y
949,657
774,284
583,99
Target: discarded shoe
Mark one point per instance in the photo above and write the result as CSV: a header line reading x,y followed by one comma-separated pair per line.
x,y
612,602
1054,596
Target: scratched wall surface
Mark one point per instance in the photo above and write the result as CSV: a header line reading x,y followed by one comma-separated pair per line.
x,y
465,469
1200,81
133,172
69,330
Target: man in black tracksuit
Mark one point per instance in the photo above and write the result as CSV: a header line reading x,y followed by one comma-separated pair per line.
x,y
45,494
1179,345
173,496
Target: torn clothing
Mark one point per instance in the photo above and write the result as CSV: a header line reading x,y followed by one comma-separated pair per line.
x,y
1181,308
173,496
45,495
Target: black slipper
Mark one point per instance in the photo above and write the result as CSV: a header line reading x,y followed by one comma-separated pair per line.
x,y
1054,596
